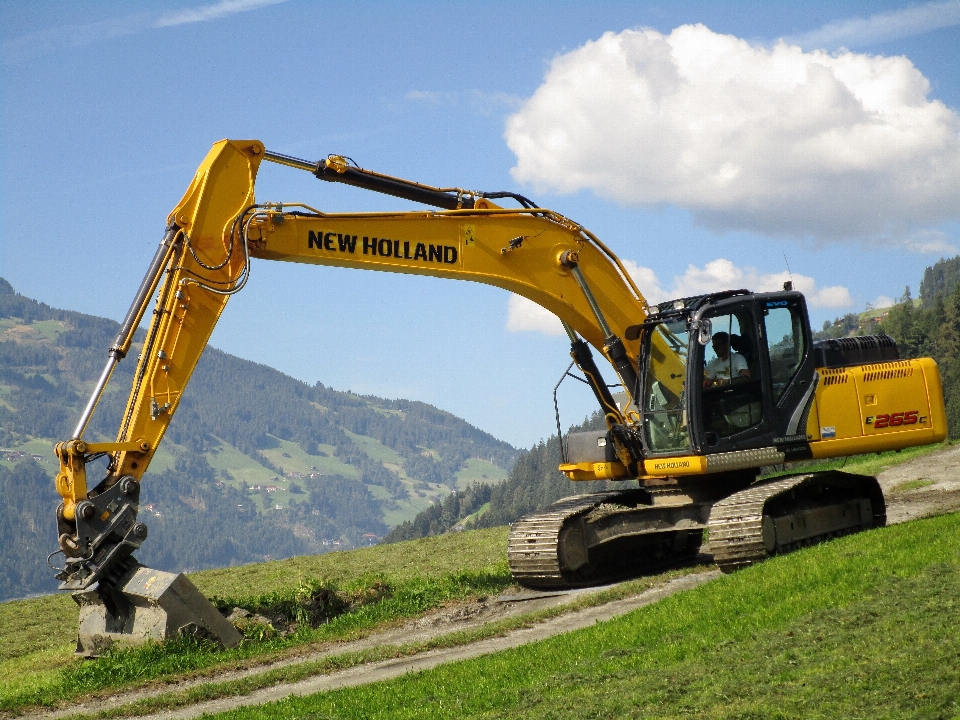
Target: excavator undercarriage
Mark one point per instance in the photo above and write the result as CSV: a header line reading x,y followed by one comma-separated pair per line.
x,y
602,537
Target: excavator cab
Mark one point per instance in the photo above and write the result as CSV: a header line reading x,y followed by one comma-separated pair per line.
x,y
738,375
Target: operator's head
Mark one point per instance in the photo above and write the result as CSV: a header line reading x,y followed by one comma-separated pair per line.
x,y
721,345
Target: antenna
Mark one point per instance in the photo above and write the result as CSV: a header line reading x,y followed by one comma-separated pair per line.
x,y
789,284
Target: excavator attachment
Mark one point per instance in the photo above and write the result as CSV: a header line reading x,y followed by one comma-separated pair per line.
x,y
147,605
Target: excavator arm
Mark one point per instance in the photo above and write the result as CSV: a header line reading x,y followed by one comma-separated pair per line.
x,y
205,255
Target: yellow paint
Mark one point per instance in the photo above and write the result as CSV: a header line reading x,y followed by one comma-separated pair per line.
x,y
594,471
669,466
890,389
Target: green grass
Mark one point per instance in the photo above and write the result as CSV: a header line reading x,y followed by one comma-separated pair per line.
x,y
375,448
864,627
428,557
37,666
482,471
245,470
36,636
908,485
332,663
291,457
186,657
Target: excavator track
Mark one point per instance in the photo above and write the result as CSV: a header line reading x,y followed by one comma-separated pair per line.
x,y
589,539
783,514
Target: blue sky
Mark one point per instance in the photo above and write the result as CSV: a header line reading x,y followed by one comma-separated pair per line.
x,y
848,177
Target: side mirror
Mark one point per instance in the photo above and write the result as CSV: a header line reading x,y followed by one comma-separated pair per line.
x,y
706,332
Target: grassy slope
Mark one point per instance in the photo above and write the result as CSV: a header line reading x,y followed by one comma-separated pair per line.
x,y
34,645
36,635
865,626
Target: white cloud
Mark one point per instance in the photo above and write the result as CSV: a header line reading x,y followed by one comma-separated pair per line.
x,y
525,315
647,282
883,27
721,274
884,301
203,13
771,140
929,242
73,36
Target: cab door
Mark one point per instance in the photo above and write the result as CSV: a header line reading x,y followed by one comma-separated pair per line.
x,y
755,376
790,365
732,408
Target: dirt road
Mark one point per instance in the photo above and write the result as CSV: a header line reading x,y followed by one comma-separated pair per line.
x,y
929,485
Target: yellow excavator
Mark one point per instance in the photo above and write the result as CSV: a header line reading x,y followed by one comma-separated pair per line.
x,y
713,388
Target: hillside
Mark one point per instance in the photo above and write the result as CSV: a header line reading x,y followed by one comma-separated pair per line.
x,y
866,618
255,465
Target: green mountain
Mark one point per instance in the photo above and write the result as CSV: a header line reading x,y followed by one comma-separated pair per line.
x,y
255,464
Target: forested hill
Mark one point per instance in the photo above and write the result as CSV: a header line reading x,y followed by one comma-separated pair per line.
x,y
255,464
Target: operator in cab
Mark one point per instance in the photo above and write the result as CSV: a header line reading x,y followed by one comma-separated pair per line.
x,y
726,365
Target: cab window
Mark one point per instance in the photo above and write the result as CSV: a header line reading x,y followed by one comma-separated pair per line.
x,y
664,412
785,344
732,392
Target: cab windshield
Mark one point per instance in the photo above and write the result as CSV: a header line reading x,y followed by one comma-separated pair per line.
x,y
664,413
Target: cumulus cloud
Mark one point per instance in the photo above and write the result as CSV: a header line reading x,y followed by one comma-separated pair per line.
x,y
772,140
883,27
721,274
